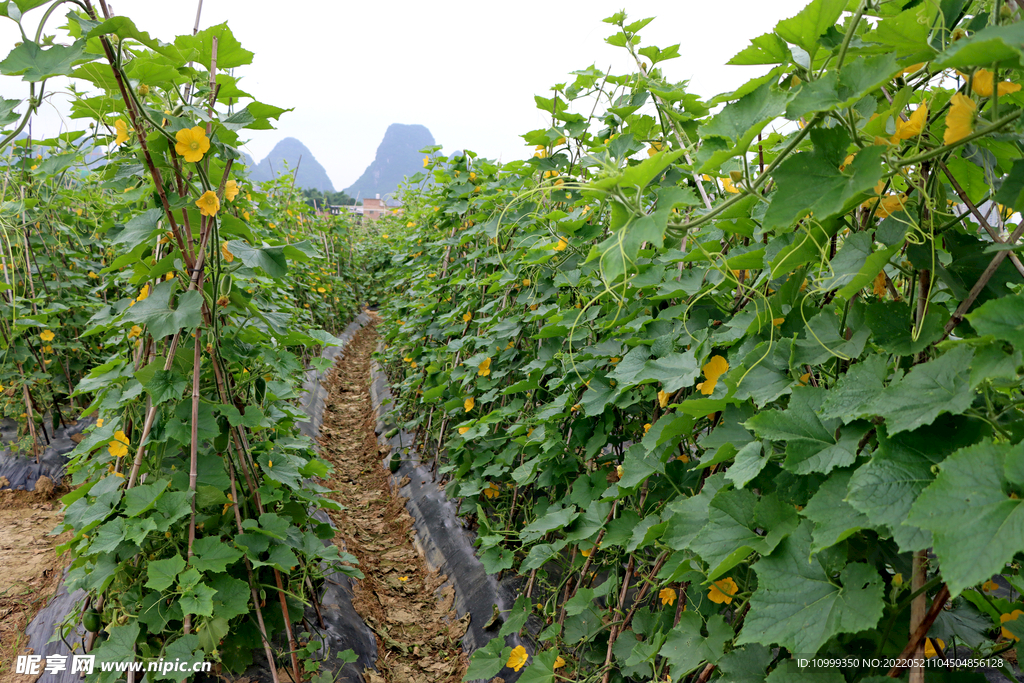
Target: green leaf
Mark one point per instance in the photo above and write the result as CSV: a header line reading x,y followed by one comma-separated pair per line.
x,y
162,573
797,605
812,181
806,27
486,662
892,324
731,534
156,312
1003,318
143,497
199,48
198,600
165,385
992,44
739,122
765,49
885,488
686,647
939,386
834,519
213,554
270,259
123,27
34,63
138,230
838,90
541,668
975,484
857,264
811,445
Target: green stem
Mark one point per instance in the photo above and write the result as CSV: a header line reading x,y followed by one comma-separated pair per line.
x,y
850,30
931,154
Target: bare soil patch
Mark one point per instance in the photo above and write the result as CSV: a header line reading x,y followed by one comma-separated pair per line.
x,y
30,571
418,631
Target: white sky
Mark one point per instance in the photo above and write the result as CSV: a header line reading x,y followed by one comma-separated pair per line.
x,y
467,71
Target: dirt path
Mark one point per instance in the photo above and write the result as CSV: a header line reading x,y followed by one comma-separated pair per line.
x,y
418,631
30,570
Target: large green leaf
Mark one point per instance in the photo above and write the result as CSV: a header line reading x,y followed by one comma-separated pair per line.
x,y
739,122
973,510
163,320
805,28
812,182
686,648
838,90
34,63
799,606
834,519
1003,318
939,386
990,45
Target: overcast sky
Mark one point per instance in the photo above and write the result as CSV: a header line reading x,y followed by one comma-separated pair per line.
x,y
467,71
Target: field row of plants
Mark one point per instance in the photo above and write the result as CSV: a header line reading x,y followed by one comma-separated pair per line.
x,y
736,381
150,287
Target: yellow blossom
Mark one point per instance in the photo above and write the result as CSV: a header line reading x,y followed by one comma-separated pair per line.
x,y
245,215
929,648
959,119
426,161
878,287
463,430
491,490
778,321
122,132
484,368
989,586
518,658
469,403
981,83
713,369
467,316
47,335
208,203
78,212
225,253
913,68
143,293
913,126
562,244
99,423
230,190
192,143
559,662
897,579
1012,616
119,446
663,397
668,596
722,591
134,332
729,187
647,428
620,471
403,579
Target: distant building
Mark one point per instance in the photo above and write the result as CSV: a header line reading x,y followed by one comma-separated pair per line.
x,y
371,209
374,208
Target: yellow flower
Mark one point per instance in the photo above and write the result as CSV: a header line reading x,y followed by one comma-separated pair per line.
x,y
321,290
1012,616
230,190
713,369
663,397
412,365
143,293
134,332
119,446
208,203
78,212
99,423
878,287
620,471
989,586
245,215
778,321
981,83
403,579
467,316
518,658
890,204
804,378
384,236
463,430
722,591
654,148
647,428
959,119
913,126
484,368
491,490
47,349
143,90
192,143
559,662
469,403
426,161
562,244
897,579
929,648
47,335
729,187
122,132
526,282
911,69
668,596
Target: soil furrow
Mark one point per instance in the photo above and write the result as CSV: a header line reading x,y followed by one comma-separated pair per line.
x,y
407,606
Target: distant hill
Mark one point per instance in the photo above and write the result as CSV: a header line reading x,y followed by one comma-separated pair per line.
x,y
398,156
286,156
